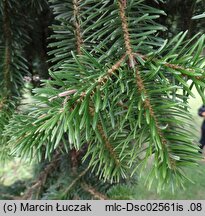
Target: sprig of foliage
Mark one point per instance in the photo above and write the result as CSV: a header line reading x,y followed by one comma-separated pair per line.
x,y
121,95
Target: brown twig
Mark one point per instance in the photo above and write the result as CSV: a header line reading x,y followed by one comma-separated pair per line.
x,y
96,194
122,5
79,40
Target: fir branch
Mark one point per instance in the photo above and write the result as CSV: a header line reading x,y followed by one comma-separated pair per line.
x,y
117,109
181,69
107,143
148,106
79,43
103,79
172,66
100,82
111,71
143,91
70,26
79,40
139,81
123,17
94,193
